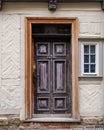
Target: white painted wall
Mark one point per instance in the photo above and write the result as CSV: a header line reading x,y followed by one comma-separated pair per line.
x,y
12,53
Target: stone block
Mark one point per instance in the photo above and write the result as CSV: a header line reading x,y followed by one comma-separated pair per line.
x,y
4,127
13,128
101,121
89,120
14,121
21,127
93,120
3,121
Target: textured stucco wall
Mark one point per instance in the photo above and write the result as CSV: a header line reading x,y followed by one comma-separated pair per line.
x,y
12,53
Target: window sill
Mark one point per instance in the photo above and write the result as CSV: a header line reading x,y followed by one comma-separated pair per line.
x,y
90,76
53,120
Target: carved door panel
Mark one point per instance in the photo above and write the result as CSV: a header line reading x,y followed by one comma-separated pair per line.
x,y
52,78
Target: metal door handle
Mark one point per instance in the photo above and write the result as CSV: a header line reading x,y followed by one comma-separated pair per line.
x,y
35,76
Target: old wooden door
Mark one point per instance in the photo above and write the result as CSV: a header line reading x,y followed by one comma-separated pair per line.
x,y
52,77
51,67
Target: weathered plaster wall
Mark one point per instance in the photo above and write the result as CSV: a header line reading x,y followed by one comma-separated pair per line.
x,y
12,53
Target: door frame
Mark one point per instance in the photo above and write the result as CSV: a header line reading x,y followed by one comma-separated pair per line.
x,y
29,50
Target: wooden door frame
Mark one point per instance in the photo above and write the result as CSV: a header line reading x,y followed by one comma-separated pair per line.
x,y
29,88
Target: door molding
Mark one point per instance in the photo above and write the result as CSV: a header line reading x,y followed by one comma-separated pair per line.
x,y
29,50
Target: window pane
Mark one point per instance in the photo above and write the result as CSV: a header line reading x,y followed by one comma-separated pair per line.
x,y
92,68
86,48
92,49
92,58
86,68
86,58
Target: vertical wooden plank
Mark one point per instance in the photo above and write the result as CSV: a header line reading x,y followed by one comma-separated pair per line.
x,y
28,70
75,111
33,70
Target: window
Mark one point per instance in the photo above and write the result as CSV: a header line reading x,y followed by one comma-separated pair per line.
x,y
90,58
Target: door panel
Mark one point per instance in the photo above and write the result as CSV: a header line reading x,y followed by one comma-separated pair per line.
x,y
42,48
59,48
52,92
43,104
43,75
59,76
59,103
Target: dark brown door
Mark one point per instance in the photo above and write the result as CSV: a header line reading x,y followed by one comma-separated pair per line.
x,y
52,78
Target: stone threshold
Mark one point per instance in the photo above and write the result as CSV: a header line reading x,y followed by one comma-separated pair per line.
x,y
53,120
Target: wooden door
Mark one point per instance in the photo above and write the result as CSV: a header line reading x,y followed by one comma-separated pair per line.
x,y
52,78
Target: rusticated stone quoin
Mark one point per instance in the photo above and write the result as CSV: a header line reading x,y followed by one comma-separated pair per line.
x,y
93,120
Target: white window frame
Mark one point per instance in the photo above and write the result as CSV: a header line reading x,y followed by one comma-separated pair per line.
x,y
96,73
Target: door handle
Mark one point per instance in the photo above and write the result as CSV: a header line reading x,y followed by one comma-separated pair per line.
x,y
35,76
34,79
